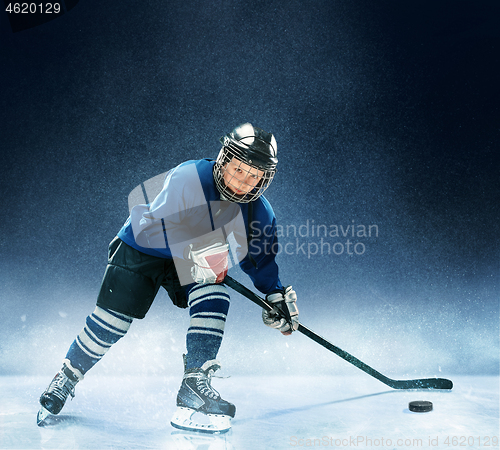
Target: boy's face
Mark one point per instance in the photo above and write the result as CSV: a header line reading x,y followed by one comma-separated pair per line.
x,y
241,178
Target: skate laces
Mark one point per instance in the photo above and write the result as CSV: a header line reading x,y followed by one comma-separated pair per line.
x,y
61,386
203,384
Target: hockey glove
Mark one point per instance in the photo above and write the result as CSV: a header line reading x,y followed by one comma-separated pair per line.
x,y
210,263
285,315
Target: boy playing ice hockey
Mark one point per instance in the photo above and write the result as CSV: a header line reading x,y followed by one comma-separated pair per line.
x,y
183,241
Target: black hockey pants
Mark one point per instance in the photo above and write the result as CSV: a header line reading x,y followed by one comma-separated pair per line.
x,y
132,280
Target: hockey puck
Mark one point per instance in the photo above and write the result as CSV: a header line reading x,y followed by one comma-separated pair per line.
x,y
420,406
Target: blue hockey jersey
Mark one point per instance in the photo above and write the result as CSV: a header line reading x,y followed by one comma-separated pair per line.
x,y
188,209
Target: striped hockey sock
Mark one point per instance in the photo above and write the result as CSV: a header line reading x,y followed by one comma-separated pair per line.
x,y
103,328
208,307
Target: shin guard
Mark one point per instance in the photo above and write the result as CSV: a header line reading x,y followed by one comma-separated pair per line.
x,y
103,328
208,307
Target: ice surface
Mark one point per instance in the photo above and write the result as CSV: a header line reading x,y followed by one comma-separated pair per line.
x,y
272,412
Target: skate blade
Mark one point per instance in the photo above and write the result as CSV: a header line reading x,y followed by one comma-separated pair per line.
x,y
41,416
219,423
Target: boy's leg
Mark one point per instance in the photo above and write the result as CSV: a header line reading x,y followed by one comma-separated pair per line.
x,y
128,289
208,307
129,286
103,328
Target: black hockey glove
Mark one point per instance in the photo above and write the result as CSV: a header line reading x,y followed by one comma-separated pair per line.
x,y
285,315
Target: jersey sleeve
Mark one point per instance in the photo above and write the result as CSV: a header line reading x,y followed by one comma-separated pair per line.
x,y
260,263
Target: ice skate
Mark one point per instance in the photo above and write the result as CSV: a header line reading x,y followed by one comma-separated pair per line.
x,y
55,396
199,406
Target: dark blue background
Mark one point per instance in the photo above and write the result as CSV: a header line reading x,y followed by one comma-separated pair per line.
x,y
385,112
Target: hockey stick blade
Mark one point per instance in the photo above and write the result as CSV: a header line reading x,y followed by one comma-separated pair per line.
x,y
421,383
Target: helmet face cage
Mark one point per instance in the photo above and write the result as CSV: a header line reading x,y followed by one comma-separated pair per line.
x,y
232,153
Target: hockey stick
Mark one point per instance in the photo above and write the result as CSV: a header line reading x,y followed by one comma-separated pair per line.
x,y
421,383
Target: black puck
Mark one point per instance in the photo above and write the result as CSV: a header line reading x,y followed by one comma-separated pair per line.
x,y
420,406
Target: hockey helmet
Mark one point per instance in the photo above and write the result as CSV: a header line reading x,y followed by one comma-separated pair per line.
x,y
253,147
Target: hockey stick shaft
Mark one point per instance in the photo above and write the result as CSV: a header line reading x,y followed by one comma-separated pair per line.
x,y
422,383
